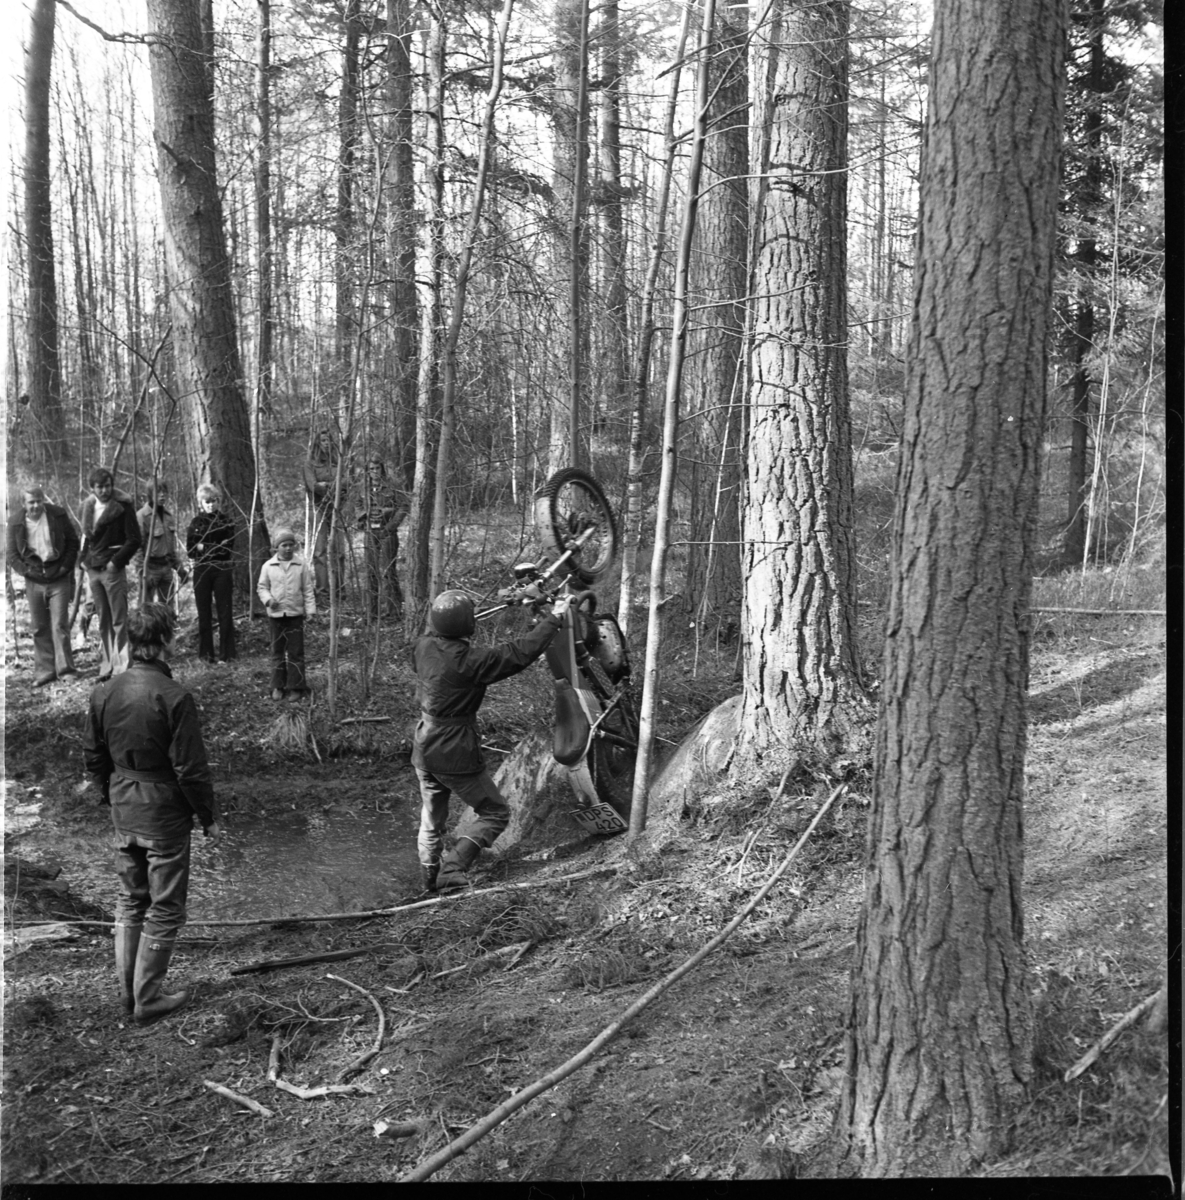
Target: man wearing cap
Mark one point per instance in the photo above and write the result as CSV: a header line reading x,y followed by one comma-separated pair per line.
x,y
43,547
286,589
451,680
159,556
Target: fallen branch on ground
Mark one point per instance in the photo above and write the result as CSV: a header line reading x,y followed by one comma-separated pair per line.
x,y
363,720
274,964
364,1058
245,1101
355,916
493,958
328,1089
1099,1048
1106,612
476,1132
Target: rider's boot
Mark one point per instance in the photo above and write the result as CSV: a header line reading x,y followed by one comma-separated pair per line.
x,y
127,944
428,875
456,863
152,961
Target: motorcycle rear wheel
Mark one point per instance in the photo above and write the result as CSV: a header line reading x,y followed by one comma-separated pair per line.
x,y
567,505
610,763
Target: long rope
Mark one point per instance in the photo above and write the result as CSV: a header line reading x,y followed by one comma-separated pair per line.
x,y
476,1132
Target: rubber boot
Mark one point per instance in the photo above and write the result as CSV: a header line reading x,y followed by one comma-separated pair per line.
x,y
127,942
456,863
151,964
428,875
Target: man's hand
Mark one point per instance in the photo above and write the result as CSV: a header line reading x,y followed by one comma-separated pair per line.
x,y
213,834
561,605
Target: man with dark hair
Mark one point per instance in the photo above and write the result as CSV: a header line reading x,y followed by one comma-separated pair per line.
x,y
158,556
143,747
451,680
110,538
43,547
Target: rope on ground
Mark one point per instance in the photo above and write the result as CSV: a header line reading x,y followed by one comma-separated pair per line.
x,y
353,916
495,1118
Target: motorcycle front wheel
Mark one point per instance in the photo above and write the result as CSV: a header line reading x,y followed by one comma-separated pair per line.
x,y
572,513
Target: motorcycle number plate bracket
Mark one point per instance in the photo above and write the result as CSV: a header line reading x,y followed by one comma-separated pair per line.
x,y
599,818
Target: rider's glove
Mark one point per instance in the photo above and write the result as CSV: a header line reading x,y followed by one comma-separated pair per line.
x,y
561,605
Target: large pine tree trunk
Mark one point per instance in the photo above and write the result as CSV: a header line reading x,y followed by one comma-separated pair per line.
x,y
714,384
802,679
570,231
43,373
399,182
939,1041
201,303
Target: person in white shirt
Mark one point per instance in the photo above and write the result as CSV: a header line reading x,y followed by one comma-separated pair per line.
x,y
286,589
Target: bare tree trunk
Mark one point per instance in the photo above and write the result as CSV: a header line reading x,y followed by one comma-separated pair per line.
x,y
571,240
939,1035
428,382
460,284
344,227
716,340
43,372
802,677
632,515
612,369
651,680
216,423
399,182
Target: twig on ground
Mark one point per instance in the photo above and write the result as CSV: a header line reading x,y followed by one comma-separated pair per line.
x,y
245,1101
1100,1047
273,1060
328,1089
363,720
1106,612
274,964
486,961
411,983
476,1132
365,1057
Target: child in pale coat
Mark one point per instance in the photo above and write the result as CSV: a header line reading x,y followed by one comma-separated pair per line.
x,y
286,589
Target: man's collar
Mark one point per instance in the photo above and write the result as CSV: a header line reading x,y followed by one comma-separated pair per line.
x,y
156,664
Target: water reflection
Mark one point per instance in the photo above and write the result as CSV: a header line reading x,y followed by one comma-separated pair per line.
x,y
291,863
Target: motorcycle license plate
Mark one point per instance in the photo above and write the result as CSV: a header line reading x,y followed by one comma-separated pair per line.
x,y
599,818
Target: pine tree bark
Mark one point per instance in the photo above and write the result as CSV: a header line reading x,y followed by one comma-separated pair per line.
x,y
43,372
939,1036
399,182
801,668
201,302
714,372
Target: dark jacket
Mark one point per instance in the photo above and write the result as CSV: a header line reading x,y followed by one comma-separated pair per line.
x,y
143,746
158,532
320,475
114,539
216,533
451,680
379,507
62,534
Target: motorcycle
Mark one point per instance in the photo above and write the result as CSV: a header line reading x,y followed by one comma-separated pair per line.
x,y
595,732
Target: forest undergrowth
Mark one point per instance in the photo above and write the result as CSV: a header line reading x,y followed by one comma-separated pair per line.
x,y
483,994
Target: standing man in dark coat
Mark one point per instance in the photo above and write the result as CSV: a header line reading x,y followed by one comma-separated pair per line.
x,y
110,539
143,747
451,680
43,547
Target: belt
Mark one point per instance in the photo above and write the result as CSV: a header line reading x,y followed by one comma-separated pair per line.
x,y
449,721
153,561
160,776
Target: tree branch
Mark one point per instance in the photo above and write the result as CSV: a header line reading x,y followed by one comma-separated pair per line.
x,y
131,39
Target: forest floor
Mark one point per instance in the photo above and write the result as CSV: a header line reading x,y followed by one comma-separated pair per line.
x,y
732,1073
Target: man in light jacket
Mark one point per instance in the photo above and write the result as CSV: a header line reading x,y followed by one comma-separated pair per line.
x,y
43,547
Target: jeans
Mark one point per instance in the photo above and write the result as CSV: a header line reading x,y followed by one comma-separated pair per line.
x,y
287,653
479,791
155,878
110,593
159,586
212,588
49,612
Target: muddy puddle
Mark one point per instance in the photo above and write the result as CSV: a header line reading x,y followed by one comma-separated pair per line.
x,y
276,861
